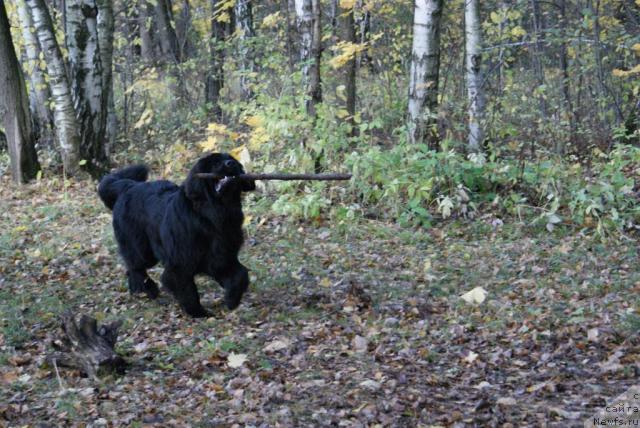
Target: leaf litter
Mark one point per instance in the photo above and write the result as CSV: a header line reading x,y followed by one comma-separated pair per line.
x,y
358,328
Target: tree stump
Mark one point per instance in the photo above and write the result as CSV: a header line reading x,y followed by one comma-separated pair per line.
x,y
87,346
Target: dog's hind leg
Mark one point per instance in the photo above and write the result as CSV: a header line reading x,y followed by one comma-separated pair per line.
x,y
139,282
181,285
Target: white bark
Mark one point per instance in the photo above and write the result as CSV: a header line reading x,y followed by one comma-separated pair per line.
x,y
425,68
66,126
473,48
89,97
304,22
39,88
244,28
309,28
14,108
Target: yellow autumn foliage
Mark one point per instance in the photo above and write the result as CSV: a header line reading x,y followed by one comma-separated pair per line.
x,y
347,52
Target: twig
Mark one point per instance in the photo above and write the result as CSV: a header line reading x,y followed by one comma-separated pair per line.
x,y
280,176
55,366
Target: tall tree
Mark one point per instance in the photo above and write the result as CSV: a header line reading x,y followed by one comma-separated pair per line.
x,y
39,94
106,28
473,61
309,28
86,72
425,69
215,77
167,40
66,127
14,108
348,35
244,28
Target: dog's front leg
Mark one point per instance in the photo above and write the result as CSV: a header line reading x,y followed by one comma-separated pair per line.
x,y
235,282
181,285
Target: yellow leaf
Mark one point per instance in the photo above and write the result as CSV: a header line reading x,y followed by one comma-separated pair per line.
x,y
636,47
247,220
477,295
347,4
254,121
210,144
325,282
495,18
342,113
236,360
271,21
241,154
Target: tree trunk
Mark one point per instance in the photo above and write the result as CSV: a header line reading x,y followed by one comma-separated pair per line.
x,y
566,88
106,27
39,94
244,28
215,79
183,30
473,47
425,69
308,23
289,7
89,95
14,108
167,35
348,30
66,126
538,52
364,27
146,30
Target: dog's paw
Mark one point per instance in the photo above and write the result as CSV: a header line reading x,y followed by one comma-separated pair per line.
x,y
151,288
198,312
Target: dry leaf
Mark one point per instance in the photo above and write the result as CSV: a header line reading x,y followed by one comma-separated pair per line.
x,y
236,360
477,295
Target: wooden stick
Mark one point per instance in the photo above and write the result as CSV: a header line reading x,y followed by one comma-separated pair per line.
x,y
280,176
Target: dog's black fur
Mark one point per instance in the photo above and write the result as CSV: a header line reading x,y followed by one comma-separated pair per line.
x,y
195,228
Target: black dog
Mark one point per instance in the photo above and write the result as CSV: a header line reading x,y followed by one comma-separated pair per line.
x,y
195,228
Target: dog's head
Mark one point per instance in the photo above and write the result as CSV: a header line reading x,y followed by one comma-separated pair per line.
x,y
222,164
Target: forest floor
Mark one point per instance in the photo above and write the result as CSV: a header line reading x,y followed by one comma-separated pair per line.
x,y
350,326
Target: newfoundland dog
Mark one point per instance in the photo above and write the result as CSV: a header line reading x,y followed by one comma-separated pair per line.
x,y
195,228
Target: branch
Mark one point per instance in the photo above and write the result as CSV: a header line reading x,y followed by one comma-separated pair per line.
x,y
280,176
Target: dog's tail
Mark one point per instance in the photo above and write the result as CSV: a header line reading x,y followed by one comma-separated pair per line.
x,y
113,185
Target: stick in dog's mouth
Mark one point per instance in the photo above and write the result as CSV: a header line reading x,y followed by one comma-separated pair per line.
x,y
222,182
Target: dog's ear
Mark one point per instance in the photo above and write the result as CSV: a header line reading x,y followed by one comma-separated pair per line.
x,y
195,188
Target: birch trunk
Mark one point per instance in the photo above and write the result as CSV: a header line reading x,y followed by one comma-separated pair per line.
x,y
425,69
473,48
89,97
66,126
39,93
308,22
14,108
244,28
106,27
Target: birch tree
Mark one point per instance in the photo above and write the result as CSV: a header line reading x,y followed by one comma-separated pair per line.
x,y
86,74
473,62
348,34
244,28
308,23
39,94
66,127
14,108
425,69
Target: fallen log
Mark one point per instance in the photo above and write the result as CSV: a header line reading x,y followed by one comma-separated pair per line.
x,y
87,346
279,176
